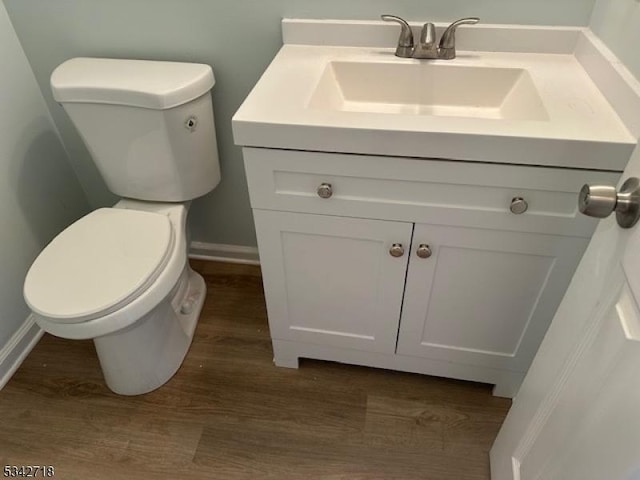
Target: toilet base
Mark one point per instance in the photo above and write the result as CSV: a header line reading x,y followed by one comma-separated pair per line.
x,y
147,354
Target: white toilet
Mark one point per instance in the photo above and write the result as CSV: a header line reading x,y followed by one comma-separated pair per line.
x,y
120,275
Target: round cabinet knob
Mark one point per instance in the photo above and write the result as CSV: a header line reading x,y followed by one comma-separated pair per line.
x,y
325,190
396,250
518,205
424,251
597,201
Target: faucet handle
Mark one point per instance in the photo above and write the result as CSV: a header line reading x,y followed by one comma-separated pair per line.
x,y
448,39
405,41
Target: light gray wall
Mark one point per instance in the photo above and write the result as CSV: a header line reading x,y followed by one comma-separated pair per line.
x,y
238,38
617,23
39,192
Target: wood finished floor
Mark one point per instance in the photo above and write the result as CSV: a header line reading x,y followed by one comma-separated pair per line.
x,y
229,413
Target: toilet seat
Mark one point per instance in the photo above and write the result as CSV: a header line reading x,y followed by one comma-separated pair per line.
x,y
99,264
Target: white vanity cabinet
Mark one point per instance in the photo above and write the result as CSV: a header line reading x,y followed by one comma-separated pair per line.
x,y
415,264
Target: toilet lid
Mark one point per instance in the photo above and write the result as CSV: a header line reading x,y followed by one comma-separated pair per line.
x,y
99,264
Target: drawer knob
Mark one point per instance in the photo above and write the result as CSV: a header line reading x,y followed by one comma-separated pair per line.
x,y
424,251
325,190
518,205
396,250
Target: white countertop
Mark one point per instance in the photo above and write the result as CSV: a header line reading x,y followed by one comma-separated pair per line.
x,y
582,131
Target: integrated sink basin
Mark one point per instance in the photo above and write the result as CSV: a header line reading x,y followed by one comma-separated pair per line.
x,y
428,88
515,95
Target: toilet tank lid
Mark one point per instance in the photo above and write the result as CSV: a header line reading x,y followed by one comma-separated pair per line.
x,y
139,83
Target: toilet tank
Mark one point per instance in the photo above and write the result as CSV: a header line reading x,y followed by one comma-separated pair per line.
x,y
148,125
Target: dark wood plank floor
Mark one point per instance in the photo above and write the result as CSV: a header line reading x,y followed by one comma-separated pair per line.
x,y
230,414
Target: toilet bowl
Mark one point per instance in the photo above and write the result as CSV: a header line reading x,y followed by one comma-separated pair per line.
x,y
120,275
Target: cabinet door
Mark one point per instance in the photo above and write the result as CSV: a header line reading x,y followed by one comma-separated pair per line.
x,y
484,297
331,280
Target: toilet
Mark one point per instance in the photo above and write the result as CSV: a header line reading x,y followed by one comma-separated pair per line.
x,y
120,275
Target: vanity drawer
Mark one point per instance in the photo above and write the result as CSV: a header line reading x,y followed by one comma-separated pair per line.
x,y
441,192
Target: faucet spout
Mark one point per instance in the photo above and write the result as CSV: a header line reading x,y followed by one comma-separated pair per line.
x,y
448,39
427,47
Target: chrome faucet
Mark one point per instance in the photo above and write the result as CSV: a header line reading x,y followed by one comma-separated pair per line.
x,y
428,47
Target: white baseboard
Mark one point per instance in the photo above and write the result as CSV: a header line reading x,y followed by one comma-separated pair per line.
x,y
17,348
224,253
